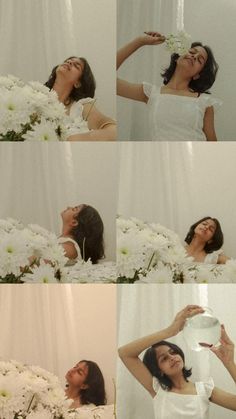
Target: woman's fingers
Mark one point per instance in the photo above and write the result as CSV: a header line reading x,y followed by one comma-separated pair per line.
x,y
224,337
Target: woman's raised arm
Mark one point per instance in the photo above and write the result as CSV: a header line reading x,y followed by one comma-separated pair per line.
x,y
132,90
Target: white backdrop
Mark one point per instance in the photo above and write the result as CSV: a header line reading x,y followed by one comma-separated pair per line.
x,y
38,34
55,326
176,184
205,21
144,309
37,183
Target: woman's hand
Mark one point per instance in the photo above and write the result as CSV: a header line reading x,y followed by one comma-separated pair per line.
x,y
152,38
182,316
225,352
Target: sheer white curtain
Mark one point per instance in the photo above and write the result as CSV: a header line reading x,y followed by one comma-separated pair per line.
x,y
37,183
55,326
36,35
177,184
145,309
203,20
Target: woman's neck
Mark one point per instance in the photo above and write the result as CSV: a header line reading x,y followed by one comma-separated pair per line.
x,y
196,247
179,382
72,393
66,231
63,91
179,82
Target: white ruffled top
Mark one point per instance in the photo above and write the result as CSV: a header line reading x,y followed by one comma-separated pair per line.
x,y
170,405
213,257
175,117
62,240
78,124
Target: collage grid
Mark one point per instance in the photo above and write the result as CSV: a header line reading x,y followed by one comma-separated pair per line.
x,y
117,266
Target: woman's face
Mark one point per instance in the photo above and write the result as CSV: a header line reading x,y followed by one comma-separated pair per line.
x,y
206,230
70,214
77,375
194,61
72,70
169,362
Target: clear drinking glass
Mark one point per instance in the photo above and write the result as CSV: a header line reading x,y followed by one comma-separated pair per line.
x,y
202,331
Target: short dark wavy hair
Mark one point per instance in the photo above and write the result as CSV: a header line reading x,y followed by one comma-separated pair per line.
x,y
150,360
207,75
88,233
87,82
216,241
95,392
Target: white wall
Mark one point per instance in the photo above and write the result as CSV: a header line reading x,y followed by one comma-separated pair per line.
x,y
36,35
55,326
38,182
176,184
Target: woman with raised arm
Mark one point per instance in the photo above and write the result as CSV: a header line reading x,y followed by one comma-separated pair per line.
x,y
164,375
182,109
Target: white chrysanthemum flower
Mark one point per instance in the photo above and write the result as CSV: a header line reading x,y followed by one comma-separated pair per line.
x,y
162,274
228,273
179,43
44,273
45,131
14,254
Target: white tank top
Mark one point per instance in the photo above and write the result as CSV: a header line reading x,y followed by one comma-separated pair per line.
x,y
170,405
62,240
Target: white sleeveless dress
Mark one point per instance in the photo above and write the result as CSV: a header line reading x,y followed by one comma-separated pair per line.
x,y
78,124
177,118
62,240
169,405
213,257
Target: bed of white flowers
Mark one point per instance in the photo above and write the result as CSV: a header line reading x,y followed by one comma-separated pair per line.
x,y
34,393
32,254
151,253
179,43
29,254
30,112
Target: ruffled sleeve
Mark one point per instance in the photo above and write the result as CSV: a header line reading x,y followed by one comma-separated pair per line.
x,y
204,388
209,385
208,100
155,384
147,88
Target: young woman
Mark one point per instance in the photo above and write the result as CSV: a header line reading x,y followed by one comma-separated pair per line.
x,y
85,385
164,375
75,85
182,108
82,233
204,241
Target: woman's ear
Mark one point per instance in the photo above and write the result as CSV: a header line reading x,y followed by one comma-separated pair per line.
x,y
77,85
74,222
196,77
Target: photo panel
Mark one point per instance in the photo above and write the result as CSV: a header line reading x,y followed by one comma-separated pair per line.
x,y
164,189
176,110
150,312
55,205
